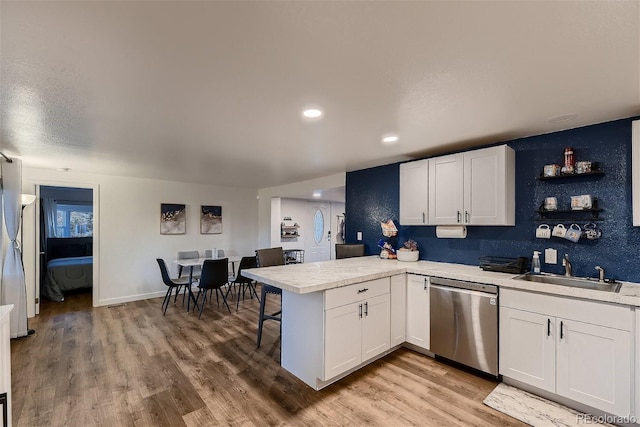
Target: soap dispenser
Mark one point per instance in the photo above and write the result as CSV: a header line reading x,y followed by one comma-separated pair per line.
x,y
535,263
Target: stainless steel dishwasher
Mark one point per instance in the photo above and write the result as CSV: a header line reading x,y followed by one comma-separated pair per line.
x,y
464,323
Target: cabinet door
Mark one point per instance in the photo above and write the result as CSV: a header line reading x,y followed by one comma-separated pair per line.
x,y
489,186
594,366
398,309
527,348
343,337
446,189
418,310
375,326
414,192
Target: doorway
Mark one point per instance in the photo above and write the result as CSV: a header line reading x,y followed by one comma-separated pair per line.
x,y
66,236
318,239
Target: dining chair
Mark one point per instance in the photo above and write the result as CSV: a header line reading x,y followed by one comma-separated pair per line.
x,y
349,250
245,283
171,284
215,274
267,258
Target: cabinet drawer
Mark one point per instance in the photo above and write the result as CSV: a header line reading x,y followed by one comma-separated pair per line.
x,y
595,312
353,293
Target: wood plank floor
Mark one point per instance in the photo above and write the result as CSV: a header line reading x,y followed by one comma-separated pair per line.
x,y
128,365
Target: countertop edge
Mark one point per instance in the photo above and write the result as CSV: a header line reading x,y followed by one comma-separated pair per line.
x,y
321,276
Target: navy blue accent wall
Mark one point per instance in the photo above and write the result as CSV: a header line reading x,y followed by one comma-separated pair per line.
x,y
372,195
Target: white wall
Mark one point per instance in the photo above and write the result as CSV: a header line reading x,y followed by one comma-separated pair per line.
x,y
267,237
301,213
128,224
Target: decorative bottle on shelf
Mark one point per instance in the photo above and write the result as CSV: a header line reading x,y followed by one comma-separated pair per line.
x,y
535,262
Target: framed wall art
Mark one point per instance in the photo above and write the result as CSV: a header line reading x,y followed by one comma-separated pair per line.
x,y
210,219
173,219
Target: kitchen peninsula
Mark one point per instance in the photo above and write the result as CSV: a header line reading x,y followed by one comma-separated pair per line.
x,y
340,315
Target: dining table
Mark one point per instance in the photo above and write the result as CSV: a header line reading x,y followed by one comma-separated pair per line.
x,y
198,262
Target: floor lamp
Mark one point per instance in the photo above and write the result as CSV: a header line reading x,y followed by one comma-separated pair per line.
x,y
27,199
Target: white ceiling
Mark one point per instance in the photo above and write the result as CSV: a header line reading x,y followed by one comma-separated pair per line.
x,y
212,92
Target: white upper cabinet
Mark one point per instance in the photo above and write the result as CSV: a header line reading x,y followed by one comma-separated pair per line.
x,y
473,188
446,189
414,192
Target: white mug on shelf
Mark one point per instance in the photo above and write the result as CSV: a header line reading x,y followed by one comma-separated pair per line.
x,y
573,233
543,231
559,231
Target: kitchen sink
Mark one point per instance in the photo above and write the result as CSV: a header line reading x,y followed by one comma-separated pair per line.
x,y
575,282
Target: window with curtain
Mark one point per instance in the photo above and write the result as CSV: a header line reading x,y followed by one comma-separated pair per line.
x,y
74,220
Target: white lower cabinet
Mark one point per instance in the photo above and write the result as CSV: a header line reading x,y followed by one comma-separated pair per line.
x,y
576,349
343,339
594,366
528,348
418,311
398,309
358,330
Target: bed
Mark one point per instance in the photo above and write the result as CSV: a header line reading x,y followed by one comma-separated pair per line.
x,y
67,274
69,267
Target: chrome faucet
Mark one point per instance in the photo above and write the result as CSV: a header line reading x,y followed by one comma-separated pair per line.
x,y
600,273
568,270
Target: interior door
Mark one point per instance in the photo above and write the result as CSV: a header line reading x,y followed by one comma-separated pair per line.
x,y
318,239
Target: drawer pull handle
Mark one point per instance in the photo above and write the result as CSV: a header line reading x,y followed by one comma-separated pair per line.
x,y
561,329
366,308
360,311
362,290
548,327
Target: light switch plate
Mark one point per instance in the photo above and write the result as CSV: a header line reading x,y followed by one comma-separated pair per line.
x,y
359,235
550,256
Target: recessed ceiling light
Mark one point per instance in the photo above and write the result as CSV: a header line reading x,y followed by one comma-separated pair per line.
x,y
390,139
312,113
562,118
317,194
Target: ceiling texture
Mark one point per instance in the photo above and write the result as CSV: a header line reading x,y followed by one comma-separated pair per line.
x,y
212,91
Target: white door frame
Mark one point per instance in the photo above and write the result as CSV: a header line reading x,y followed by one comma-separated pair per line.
x,y
96,236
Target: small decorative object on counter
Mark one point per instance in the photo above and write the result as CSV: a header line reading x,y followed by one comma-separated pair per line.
x,y
409,251
387,251
409,245
569,161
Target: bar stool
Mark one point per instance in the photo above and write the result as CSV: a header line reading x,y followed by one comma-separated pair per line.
x,y
267,258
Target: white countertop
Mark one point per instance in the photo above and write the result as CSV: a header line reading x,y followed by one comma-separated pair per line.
x,y
320,276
